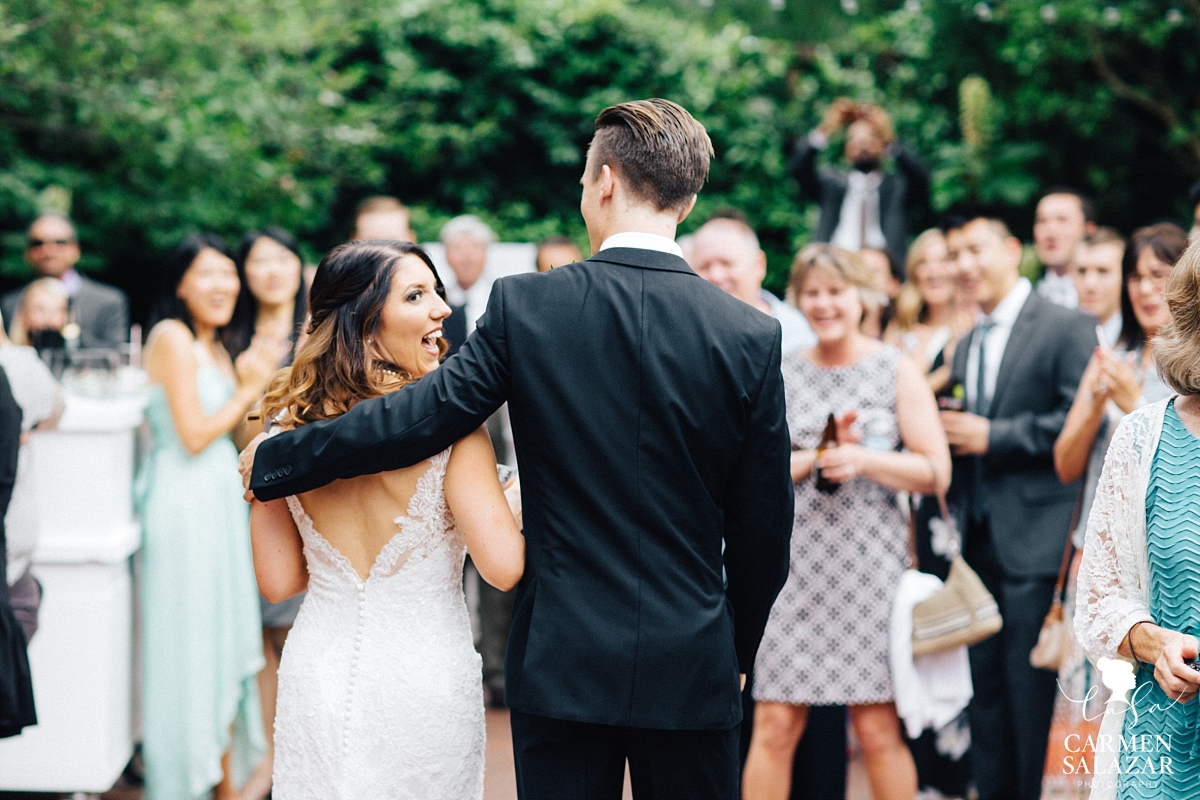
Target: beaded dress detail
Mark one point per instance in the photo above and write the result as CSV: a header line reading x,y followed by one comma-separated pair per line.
x,y
380,692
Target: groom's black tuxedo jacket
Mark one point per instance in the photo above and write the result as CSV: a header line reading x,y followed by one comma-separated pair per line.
x,y
647,410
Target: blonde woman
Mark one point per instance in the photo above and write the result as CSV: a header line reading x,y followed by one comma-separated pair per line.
x,y
826,642
930,312
43,309
1141,568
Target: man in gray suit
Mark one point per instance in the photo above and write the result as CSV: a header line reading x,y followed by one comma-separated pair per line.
x,y
1020,367
100,312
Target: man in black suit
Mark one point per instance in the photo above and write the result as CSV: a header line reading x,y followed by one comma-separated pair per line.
x,y
648,412
99,313
863,207
1020,368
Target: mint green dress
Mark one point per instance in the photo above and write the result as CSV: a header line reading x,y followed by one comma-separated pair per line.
x,y
1164,761
201,635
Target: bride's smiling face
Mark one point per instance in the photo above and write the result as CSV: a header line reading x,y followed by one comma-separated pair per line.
x,y
411,322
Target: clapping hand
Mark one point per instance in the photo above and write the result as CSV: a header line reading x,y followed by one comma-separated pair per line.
x,y
1116,380
259,362
846,432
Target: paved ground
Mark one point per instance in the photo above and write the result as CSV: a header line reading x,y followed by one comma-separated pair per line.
x,y
499,782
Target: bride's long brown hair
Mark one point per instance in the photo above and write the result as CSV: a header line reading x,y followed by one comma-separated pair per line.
x,y
333,370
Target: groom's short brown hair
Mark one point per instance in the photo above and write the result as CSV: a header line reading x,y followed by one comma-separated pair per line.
x,y
660,150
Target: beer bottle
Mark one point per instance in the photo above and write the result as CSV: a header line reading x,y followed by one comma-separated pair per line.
x,y
828,440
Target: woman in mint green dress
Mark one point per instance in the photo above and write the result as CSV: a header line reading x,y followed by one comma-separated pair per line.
x,y
201,644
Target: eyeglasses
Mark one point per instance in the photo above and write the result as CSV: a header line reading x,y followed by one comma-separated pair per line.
x,y
34,244
1157,280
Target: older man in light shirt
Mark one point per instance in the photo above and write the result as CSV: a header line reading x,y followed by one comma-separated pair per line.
x,y
726,252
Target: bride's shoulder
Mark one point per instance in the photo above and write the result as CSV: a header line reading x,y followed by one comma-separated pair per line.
x,y
472,449
472,460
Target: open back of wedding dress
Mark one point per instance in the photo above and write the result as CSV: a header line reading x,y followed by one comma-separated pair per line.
x,y
380,690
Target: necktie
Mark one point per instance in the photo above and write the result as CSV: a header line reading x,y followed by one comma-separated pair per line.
x,y
979,500
982,401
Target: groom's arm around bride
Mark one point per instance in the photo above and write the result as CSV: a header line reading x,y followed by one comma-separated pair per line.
x,y
648,414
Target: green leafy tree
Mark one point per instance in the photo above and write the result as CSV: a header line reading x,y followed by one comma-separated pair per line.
x,y
153,119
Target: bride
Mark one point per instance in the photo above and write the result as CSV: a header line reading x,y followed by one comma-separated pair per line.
x,y
380,691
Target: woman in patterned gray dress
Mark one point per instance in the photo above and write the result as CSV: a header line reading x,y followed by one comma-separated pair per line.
x,y
826,642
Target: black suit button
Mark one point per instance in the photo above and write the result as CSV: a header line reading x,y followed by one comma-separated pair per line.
x,y
287,470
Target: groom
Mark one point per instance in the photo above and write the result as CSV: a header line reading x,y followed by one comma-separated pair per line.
x,y
648,412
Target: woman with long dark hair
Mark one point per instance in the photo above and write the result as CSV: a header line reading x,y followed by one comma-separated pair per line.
x,y
201,642
379,686
272,302
271,306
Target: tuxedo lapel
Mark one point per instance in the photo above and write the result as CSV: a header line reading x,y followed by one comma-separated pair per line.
x,y
1018,343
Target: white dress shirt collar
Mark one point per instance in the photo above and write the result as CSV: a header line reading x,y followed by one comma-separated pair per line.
x,y
1006,311
859,224
642,241
999,326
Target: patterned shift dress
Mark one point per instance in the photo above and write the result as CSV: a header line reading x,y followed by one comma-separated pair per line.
x,y
826,641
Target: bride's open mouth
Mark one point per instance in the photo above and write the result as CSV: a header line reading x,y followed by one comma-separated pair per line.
x,y
429,341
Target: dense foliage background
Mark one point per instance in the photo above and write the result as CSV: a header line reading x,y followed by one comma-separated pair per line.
x,y
148,120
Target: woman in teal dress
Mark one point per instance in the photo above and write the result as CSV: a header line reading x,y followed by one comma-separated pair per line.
x,y
1139,580
1160,769
201,644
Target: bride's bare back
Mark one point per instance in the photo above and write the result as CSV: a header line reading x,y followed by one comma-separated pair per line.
x,y
357,516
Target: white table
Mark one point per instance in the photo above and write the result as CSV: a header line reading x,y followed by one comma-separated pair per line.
x,y
83,655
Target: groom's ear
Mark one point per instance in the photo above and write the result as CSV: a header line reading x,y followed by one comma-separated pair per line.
x,y
608,181
688,210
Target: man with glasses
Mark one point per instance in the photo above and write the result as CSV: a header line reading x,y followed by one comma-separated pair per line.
x,y
99,314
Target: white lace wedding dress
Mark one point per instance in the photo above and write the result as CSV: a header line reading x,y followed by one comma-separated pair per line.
x,y
380,692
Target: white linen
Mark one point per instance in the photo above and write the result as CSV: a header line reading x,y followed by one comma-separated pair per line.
x,y
932,690
37,393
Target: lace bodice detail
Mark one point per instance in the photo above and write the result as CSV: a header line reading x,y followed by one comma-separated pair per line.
x,y
426,526
1114,586
380,686
1114,577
